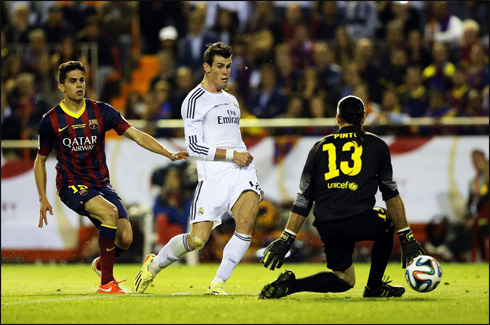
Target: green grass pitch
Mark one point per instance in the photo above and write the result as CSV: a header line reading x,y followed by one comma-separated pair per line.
x,y
63,294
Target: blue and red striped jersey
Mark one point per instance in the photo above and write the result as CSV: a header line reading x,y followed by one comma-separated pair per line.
x,y
79,142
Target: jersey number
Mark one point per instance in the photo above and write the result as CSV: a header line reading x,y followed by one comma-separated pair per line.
x,y
333,170
81,187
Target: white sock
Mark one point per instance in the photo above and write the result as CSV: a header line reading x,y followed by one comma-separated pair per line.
x,y
232,254
171,252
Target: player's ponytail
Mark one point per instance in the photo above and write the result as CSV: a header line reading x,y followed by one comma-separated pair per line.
x,y
351,110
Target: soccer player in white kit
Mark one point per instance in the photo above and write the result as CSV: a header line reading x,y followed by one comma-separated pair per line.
x,y
226,175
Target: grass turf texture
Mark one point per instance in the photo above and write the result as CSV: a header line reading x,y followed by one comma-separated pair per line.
x,y
66,294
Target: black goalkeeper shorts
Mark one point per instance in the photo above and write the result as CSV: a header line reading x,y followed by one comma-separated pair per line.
x,y
339,236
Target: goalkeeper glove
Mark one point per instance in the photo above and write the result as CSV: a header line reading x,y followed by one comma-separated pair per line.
x,y
276,251
410,247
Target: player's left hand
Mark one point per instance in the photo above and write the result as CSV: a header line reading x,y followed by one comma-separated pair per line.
x,y
179,155
275,253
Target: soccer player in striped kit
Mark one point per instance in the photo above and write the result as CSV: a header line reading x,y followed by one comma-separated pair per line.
x,y
227,177
75,129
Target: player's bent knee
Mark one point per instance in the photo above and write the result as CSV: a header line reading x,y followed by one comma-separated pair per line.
x,y
125,240
196,243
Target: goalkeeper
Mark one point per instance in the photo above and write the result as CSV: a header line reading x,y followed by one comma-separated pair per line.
x,y
341,176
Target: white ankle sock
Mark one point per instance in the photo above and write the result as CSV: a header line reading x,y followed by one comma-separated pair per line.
x,y
232,254
171,252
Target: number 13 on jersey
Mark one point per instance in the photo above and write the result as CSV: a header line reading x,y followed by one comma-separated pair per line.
x,y
333,169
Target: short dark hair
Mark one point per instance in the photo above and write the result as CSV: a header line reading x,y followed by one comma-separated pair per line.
x,y
66,67
218,48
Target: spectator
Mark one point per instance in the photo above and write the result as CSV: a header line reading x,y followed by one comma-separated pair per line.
x,y
37,46
45,81
391,111
351,79
475,104
56,27
168,37
437,76
263,18
118,18
477,206
293,17
268,99
18,29
105,60
240,70
369,68
135,106
162,97
406,15
76,14
394,40
343,47
471,36
457,96
239,10
287,75
478,74
329,73
193,44
443,27
372,109
68,51
225,26
417,53
394,73
414,97
166,68
438,107
172,200
11,124
331,17
301,47
309,85
361,18
27,104
184,81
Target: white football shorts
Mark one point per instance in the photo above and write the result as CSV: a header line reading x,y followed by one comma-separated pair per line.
x,y
213,197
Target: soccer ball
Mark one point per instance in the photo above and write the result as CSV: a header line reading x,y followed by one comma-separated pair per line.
x,y
423,273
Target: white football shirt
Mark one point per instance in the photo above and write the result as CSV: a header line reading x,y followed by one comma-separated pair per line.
x,y
211,121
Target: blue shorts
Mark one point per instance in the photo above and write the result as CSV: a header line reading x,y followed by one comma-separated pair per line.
x,y
75,197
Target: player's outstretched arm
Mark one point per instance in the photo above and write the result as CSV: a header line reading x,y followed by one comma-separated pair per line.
x,y
150,143
40,175
275,253
410,247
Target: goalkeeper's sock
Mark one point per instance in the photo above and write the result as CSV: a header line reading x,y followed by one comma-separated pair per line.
x,y
232,254
320,282
107,234
380,255
171,252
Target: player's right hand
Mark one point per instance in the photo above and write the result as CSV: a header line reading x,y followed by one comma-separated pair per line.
x,y
410,247
275,253
45,206
242,158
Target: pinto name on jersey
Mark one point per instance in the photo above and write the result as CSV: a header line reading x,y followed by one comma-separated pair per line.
x,y
80,143
231,118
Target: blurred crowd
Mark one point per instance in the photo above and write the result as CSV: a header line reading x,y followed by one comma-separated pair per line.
x,y
292,59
